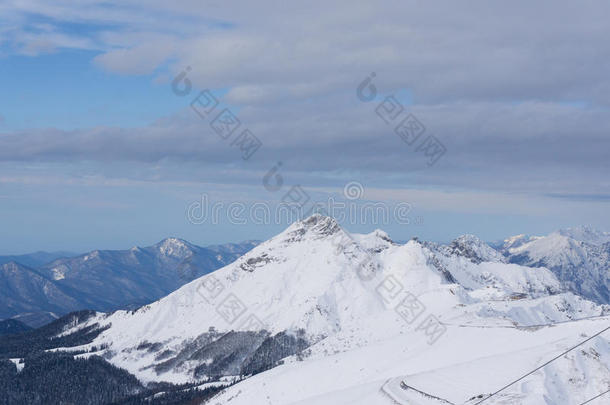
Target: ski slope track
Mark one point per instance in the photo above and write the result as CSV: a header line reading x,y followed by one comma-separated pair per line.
x,y
320,316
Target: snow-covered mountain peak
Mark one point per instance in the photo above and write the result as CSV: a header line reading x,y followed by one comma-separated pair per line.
x,y
311,276
511,240
382,235
556,242
375,241
316,226
579,257
321,227
559,246
174,247
319,224
475,249
586,234
516,241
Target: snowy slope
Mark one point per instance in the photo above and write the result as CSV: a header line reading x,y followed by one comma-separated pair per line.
x,y
352,314
467,363
586,234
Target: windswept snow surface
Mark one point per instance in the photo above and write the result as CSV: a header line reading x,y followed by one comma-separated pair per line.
x,y
451,321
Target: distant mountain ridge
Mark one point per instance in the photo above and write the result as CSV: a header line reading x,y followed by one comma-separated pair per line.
x,y
36,259
579,257
106,280
31,297
12,327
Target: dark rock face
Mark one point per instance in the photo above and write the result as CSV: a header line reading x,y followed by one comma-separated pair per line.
x,y
474,249
316,226
252,263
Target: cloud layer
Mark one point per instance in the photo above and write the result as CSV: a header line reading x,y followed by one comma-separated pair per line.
x,y
518,93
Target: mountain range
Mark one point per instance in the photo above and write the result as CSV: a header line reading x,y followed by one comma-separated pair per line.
x,y
317,315
579,257
36,259
105,280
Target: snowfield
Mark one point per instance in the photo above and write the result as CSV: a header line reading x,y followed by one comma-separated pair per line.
x,y
466,363
359,319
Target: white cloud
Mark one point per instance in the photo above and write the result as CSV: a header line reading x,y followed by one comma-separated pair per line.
x,y
442,50
497,83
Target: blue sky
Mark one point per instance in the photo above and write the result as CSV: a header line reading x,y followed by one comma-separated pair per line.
x,y
96,151
65,90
